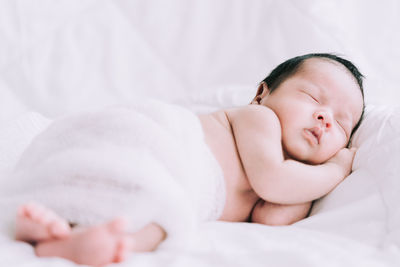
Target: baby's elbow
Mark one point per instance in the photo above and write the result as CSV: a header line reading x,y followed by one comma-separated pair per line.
x,y
270,193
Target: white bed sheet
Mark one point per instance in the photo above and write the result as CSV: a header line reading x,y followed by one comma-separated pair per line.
x,y
64,56
236,244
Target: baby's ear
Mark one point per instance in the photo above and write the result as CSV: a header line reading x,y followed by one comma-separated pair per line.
x,y
262,91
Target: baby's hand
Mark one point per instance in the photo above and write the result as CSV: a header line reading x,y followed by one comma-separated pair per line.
x,y
344,160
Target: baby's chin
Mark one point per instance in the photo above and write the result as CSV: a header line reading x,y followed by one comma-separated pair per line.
x,y
314,160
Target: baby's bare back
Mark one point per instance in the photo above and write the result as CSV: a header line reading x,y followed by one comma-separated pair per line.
x,y
240,198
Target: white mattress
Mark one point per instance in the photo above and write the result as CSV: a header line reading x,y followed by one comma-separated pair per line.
x,y
58,57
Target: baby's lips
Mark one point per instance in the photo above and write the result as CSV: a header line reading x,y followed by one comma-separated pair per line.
x,y
317,132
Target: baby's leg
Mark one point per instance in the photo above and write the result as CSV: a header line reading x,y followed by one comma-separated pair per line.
x,y
103,244
35,223
278,214
96,246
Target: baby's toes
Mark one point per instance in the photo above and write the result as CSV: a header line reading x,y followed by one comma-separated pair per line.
x,y
43,221
34,212
23,211
56,226
59,228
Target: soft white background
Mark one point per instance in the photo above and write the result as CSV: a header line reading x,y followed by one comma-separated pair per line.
x,y
64,56
59,56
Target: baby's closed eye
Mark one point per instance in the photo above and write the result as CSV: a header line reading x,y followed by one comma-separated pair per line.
x,y
311,96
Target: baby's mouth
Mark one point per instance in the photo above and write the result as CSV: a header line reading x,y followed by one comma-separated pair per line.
x,y
315,133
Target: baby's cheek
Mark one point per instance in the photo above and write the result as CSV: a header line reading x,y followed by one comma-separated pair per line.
x,y
331,153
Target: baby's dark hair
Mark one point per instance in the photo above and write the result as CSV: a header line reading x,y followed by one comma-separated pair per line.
x,y
289,67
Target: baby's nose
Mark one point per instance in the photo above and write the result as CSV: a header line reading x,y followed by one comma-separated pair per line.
x,y
325,118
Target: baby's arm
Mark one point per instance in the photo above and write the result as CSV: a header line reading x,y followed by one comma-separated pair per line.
x,y
257,133
279,214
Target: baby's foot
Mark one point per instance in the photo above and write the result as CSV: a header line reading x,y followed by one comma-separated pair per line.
x,y
36,223
96,246
148,238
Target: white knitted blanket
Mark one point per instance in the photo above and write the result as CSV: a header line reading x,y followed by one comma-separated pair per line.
x,y
146,162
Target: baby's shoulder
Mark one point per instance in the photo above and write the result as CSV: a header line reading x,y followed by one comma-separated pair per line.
x,y
254,114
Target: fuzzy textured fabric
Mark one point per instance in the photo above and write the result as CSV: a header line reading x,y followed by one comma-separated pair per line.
x,y
146,162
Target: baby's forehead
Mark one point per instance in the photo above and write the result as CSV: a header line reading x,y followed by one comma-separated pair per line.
x,y
326,65
311,63
327,74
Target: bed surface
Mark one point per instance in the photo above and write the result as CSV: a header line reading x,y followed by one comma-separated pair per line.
x,y
59,57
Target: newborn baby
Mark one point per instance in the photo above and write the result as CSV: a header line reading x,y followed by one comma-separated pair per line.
x,y
285,149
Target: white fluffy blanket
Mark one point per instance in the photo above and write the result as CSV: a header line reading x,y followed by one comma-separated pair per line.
x,y
146,162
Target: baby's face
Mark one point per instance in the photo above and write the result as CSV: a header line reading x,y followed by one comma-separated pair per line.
x,y
317,107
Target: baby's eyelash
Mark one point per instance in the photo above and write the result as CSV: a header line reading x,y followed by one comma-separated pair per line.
x,y
316,100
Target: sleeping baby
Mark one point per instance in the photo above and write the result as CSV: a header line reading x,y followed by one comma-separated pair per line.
x,y
95,186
